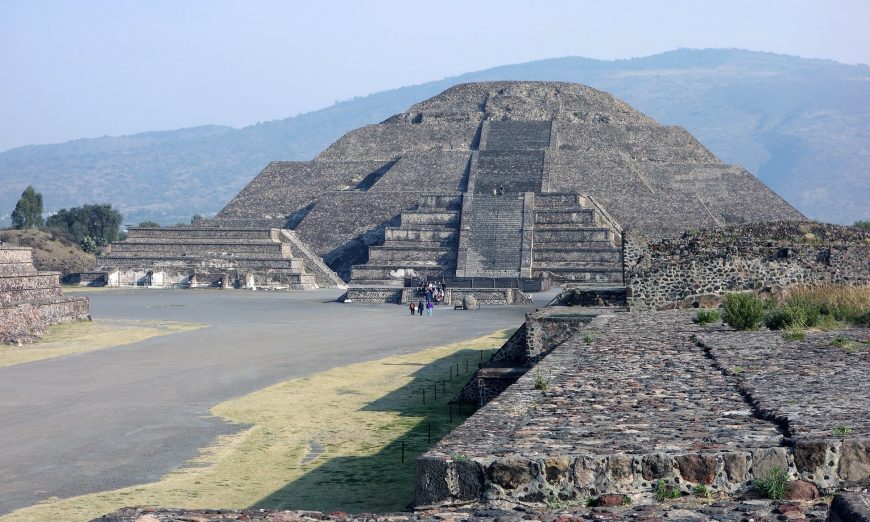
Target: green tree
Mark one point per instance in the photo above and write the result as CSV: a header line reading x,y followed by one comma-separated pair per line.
x,y
28,210
865,224
101,222
149,224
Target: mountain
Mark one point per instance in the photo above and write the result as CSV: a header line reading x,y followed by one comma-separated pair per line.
x,y
802,126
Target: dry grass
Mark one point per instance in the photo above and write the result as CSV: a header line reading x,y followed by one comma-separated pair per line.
x,y
51,250
87,336
843,303
356,414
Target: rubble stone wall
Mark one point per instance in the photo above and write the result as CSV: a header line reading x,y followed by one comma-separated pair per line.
x,y
704,265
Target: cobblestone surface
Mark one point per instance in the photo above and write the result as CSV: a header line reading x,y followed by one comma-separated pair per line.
x,y
681,510
640,386
813,386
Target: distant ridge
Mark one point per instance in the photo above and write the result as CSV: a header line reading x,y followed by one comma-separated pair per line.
x,y
800,125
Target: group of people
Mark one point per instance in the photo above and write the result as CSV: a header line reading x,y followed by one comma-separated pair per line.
x,y
432,293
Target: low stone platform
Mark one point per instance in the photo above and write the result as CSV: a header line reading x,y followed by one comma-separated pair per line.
x,y
452,296
638,397
684,510
30,300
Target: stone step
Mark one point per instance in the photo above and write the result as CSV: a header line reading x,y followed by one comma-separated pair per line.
x,y
571,245
579,275
199,232
438,217
577,215
441,201
421,234
16,255
178,240
228,263
407,243
556,201
29,281
16,268
545,233
371,272
577,255
11,296
412,254
209,249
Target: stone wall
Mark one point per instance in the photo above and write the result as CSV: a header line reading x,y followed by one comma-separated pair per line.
x,y
30,301
704,265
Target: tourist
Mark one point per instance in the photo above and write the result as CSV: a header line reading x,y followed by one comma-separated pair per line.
x,y
429,307
413,308
420,307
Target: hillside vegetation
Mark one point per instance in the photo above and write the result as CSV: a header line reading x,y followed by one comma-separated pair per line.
x,y
800,125
51,251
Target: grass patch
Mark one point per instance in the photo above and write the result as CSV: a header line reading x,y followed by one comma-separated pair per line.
x,y
841,431
794,335
664,492
357,415
704,317
87,336
775,485
823,307
541,382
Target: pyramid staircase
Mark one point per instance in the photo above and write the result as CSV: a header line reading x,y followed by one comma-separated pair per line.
x,y
574,241
203,256
423,245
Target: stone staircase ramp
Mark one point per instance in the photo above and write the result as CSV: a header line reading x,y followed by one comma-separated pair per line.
x,y
423,245
574,241
517,135
495,241
508,171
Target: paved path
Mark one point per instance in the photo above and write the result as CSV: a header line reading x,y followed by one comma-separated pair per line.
x,y
112,418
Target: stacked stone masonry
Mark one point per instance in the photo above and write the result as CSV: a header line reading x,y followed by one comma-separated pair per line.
x,y
635,398
215,256
703,265
30,301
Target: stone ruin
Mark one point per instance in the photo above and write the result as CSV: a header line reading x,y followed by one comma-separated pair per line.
x,y
491,188
30,301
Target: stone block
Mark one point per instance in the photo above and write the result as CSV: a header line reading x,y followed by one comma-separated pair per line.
x,y
657,466
764,460
697,469
854,465
511,472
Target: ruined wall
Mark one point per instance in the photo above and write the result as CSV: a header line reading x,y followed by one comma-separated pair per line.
x,y
703,265
31,300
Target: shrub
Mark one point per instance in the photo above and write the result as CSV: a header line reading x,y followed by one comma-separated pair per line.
x,y
840,431
664,492
775,485
702,491
541,382
708,316
743,311
793,314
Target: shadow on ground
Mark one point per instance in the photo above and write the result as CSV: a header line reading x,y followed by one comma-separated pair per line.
x,y
382,481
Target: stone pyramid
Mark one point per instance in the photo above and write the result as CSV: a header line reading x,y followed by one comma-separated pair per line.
x,y
500,181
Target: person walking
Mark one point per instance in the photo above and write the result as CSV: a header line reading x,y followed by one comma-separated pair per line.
x,y
420,308
413,308
429,308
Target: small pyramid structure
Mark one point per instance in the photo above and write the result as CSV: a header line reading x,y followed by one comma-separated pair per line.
x,y
31,300
494,181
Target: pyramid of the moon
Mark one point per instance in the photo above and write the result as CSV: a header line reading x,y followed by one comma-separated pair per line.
x,y
486,180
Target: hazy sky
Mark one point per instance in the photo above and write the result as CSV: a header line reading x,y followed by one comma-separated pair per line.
x,y
74,69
